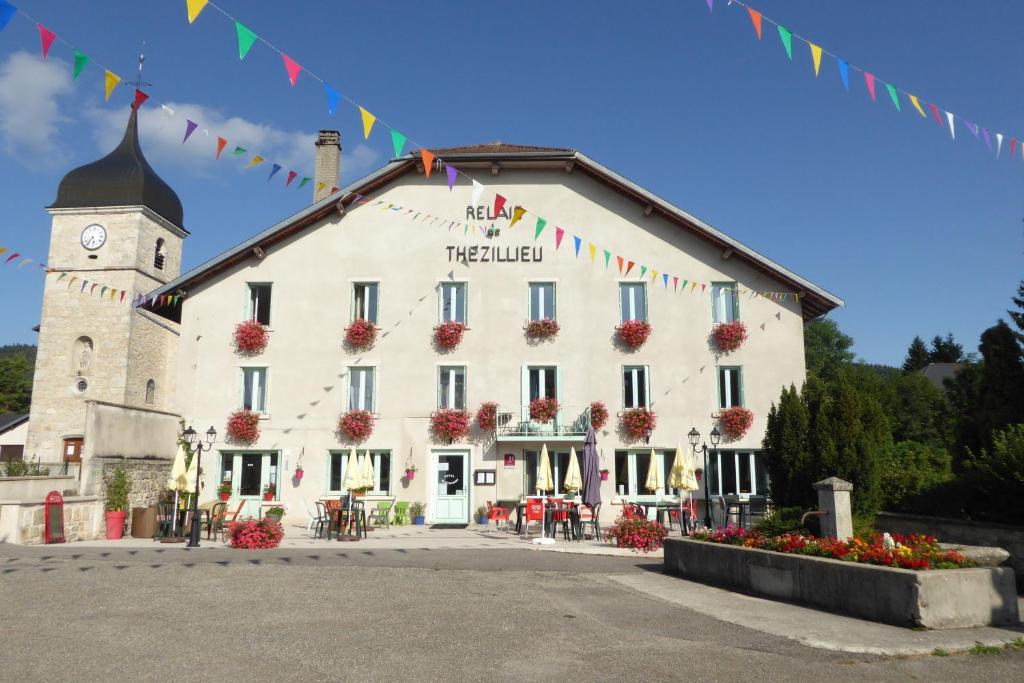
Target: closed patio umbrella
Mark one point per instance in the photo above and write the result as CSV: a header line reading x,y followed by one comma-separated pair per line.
x,y
573,480
368,475
655,480
591,470
545,482
177,482
682,477
353,481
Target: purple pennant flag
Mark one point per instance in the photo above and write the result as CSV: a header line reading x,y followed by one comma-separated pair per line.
x,y
453,173
988,142
973,127
711,5
84,283
274,170
190,127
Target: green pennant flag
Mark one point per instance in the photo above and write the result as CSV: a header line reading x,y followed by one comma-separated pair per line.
x,y
607,257
893,95
540,227
103,291
643,270
398,141
245,39
787,40
465,230
61,276
81,60
305,181
239,151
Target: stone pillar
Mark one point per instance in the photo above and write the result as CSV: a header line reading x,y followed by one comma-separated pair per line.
x,y
834,499
328,163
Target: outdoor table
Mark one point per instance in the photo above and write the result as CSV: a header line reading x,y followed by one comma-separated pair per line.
x,y
574,519
204,518
743,510
357,519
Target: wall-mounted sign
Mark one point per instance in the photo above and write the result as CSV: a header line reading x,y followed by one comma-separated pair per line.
x,y
484,477
486,253
510,461
486,213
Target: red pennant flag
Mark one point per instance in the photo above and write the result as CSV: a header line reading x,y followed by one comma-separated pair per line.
x,y
703,285
870,80
620,262
292,175
335,189
161,300
292,67
935,113
1013,146
559,233
221,144
629,267
122,296
12,257
755,18
46,37
675,282
93,288
428,162
140,97
499,202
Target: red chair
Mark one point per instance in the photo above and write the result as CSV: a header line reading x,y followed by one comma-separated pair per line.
x,y
534,513
498,515
561,515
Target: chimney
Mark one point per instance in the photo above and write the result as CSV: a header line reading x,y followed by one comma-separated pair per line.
x,y
328,163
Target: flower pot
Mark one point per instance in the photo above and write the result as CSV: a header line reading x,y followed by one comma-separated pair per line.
x,y
268,496
419,521
604,475
482,520
115,525
410,474
359,494
225,497
274,518
298,474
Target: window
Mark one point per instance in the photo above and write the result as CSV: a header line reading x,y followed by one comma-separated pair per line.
x,y
725,305
633,300
737,473
730,387
254,389
543,382
150,392
337,462
453,302
632,467
160,255
559,469
360,389
451,387
364,301
259,303
635,391
542,300
227,466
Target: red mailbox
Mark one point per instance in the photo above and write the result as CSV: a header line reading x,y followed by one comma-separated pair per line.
x,y
54,518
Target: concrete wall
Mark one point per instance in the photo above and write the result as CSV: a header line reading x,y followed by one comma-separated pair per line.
x,y
20,488
939,599
22,522
312,276
1009,538
128,433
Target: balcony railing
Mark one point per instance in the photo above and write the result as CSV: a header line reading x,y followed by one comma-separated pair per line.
x,y
570,422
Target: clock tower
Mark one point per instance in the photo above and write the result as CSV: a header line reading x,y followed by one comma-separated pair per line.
x,y
117,230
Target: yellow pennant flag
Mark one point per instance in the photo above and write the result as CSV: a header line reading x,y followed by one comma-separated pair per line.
x,y
816,56
917,105
194,7
654,275
368,121
3,249
593,251
517,214
255,161
320,186
111,80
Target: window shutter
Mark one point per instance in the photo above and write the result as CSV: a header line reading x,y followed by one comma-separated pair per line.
x,y
735,302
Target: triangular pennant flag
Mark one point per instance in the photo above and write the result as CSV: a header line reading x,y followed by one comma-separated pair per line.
x,y
620,261
787,40
273,171
559,234
255,161
869,80
664,277
320,186
93,288
398,142
499,202
1013,146
844,72
194,8
103,290
333,97
988,142
755,18
305,181
711,5
816,57
12,257
245,39
140,98
122,296
428,162
935,113
221,143
84,283
693,286
292,68
7,12
3,249
190,127
629,267
110,81
577,241
643,270
607,257
368,121
702,287
81,59
593,251
893,95
952,130
61,276
999,144
477,190
46,38
453,174
654,275
517,215
675,282
238,151
917,104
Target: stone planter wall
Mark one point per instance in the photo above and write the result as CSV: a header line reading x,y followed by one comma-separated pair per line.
x,y
22,522
939,599
148,477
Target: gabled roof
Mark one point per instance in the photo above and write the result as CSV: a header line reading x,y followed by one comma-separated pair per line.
x,y
9,421
814,300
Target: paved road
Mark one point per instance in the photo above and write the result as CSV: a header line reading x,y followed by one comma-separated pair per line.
x,y
345,614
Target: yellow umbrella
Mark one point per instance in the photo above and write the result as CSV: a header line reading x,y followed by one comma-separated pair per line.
x,y
191,474
545,482
573,480
655,480
368,476
682,476
176,482
353,479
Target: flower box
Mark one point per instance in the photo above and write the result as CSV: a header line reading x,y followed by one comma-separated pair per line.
x,y
250,338
735,422
633,333
543,409
255,534
487,416
729,336
449,424
546,328
360,334
598,415
243,428
355,426
448,335
638,423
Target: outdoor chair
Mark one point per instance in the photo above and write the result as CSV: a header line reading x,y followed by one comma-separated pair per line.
x,y
225,521
758,509
561,515
322,521
380,514
164,520
216,519
401,516
498,515
331,516
588,517
534,513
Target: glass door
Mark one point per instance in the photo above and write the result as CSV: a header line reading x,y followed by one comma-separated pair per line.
x,y
451,487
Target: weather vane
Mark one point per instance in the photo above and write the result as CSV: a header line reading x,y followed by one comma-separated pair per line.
x,y
138,82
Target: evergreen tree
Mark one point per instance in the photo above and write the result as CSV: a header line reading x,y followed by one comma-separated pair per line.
x,y
917,356
945,350
1018,316
785,451
15,383
1000,399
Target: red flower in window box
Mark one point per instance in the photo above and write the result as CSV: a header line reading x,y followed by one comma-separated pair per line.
x,y
638,423
243,427
448,334
356,425
546,328
633,333
729,336
250,338
449,424
735,421
543,409
598,414
487,416
360,334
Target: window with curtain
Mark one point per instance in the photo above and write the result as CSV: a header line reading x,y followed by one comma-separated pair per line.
x,y
259,303
337,461
724,302
737,473
361,389
453,302
730,387
634,386
254,389
542,300
451,387
364,301
633,301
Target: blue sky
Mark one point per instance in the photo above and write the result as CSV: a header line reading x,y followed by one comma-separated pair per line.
x,y
918,233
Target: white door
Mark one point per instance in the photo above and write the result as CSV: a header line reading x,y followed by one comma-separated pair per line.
x,y
451,487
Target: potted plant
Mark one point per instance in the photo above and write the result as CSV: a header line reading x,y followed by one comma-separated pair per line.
x,y
487,416
543,409
118,486
729,336
481,516
275,514
448,334
356,425
604,475
224,490
410,472
299,472
633,333
255,534
598,415
539,330
638,423
250,338
360,334
269,491
416,511
735,421
243,427
449,424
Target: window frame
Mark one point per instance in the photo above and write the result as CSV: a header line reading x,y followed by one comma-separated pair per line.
x,y
718,386
451,370
646,370
754,463
716,288
377,454
249,313
464,285
529,299
353,303
256,369
633,491
362,389
632,285
149,396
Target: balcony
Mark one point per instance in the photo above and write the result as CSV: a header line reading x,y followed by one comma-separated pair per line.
x,y
571,424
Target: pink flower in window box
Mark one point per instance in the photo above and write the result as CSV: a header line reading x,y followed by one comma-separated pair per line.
x,y
735,421
361,334
356,425
250,338
633,333
448,335
729,336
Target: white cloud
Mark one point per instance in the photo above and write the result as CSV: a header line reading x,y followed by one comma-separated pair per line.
x,y
30,118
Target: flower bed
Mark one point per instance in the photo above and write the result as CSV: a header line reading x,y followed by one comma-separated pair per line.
x,y
729,336
449,424
542,329
487,416
735,421
361,334
243,427
356,425
633,333
598,415
638,423
637,533
255,534
448,335
250,338
543,409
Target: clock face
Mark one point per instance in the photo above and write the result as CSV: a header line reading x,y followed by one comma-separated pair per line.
x,y
94,237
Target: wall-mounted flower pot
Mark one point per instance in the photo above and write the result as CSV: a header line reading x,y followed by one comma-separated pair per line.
x,y
268,496
410,474
298,474
419,521
115,525
604,475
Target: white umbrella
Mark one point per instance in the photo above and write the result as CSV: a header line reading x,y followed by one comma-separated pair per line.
x,y
177,482
573,480
367,474
655,480
353,479
545,482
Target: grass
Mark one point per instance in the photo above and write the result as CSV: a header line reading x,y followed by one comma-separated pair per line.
x,y
980,649
939,652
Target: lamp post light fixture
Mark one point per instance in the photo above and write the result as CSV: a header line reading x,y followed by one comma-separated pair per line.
x,y
716,438
198,447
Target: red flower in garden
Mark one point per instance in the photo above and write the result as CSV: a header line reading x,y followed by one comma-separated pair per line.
x,y
638,423
542,329
255,534
598,414
448,334
633,333
356,425
543,409
487,416
449,424
250,338
637,533
729,336
735,421
360,334
243,427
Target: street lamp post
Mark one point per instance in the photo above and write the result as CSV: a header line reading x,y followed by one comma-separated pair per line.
x,y
716,437
198,447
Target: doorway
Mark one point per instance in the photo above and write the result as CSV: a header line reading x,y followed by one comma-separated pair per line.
x,y
249,473
451,487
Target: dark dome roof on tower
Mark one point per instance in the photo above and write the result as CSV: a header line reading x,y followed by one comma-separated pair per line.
x,y
122,178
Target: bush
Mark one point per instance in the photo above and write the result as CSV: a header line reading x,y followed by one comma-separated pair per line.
x,y
996,478
637,533
911,469
785,521
255,534
117,487
24,468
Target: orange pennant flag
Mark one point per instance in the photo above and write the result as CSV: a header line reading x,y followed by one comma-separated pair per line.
x,y
619,259
629,266
755,17
221,143
428,162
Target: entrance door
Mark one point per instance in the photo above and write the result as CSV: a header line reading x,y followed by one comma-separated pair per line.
x,y
251,472
451,498
73,450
